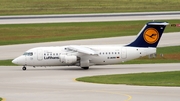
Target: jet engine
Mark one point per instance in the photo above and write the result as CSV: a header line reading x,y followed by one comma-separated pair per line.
x,y
68,59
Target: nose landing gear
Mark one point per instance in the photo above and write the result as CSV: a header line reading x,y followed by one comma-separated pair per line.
x,y
24,68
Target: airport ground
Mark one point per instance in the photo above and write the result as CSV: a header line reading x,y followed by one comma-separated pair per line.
x,y
57,83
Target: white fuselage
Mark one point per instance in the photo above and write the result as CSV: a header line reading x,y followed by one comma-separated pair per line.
x,y
87,55
59,56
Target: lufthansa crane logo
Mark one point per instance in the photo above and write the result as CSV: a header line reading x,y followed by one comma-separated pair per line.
x,y
151,35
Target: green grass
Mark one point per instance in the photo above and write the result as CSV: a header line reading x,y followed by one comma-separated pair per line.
x,y
143,79
19,7
169,50
171,55
1,99
6,63
33,33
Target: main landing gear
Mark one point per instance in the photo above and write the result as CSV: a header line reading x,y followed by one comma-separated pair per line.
x,y
85,68
24,68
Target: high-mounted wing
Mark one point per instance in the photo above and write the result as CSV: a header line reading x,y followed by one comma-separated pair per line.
x,y
82,49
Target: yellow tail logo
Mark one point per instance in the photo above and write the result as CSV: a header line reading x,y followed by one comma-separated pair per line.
x,y
151,35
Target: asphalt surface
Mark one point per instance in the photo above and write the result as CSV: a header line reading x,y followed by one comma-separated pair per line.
x,y
64,18
90,15
57,84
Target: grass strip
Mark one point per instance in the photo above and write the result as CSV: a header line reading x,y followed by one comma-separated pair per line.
x,y
142,79
33,33
6,63
22,7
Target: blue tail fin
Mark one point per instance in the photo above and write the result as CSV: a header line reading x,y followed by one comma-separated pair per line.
x,y
150,35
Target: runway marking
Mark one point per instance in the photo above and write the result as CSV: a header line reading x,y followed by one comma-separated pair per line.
x,y
117,93
129,97
109,92
3,99
74,79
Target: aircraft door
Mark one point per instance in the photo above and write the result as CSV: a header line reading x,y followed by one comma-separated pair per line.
x,y
123,53
28,56
25,59
40,54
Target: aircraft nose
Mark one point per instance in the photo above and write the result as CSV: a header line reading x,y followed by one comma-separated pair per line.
x,y
19,60
15,61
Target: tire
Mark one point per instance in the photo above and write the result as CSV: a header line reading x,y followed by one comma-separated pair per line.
x,y
24,68
85,68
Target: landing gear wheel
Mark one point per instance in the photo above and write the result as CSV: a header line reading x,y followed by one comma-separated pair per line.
x,y
24,68
85,68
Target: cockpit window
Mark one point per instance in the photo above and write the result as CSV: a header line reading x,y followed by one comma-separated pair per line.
x,y
28,53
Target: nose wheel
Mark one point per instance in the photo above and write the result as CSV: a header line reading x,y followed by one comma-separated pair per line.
x,y
24,68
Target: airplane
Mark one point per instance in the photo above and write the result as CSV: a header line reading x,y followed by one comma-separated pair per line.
x,y
89,55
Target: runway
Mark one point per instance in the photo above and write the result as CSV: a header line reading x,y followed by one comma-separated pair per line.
x,y
65,18
56,83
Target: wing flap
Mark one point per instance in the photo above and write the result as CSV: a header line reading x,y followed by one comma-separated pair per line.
x,y
82,49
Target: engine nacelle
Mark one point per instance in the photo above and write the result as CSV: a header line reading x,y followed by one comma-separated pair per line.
x,y
68,59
